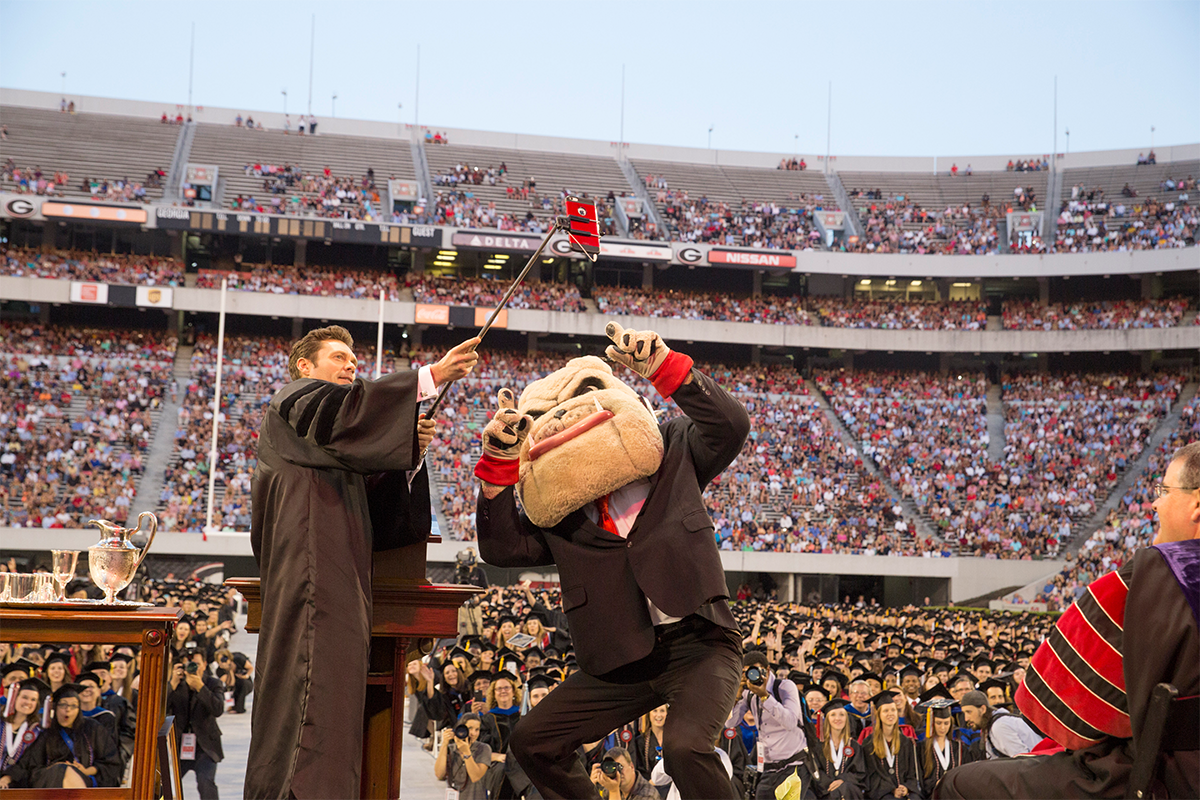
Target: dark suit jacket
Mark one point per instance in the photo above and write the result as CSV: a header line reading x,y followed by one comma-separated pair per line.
x,y
201,710
670,556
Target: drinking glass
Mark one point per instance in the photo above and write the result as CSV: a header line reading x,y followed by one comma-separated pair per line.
x,y
4,587
21,586
43,587
63,563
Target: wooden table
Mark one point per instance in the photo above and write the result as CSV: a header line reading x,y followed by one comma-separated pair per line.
x,y
406,609
148,628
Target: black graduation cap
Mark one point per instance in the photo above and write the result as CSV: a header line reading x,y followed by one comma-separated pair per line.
x,y
910,670
482,675
20,665
981,661
996,683
121,657
935,692
37,684
88,676
834,705
871,676
507,618
92,666
458,652
535,651
813,687
541,682
939,666
883,698
841,679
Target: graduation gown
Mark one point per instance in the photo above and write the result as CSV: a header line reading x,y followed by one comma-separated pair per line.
x,y
883,779
329,489
1096,705
932,773
851,772
41,765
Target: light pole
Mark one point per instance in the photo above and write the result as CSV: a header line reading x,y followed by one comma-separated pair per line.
x,y
400,115
795,146
333,104
284,93
64,84
1151,138
1068,141
710,130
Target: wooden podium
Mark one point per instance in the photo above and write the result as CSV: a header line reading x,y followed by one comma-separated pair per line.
x,y
148,628
407,608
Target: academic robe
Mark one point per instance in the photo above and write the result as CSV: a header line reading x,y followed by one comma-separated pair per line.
x,y
330,488
1089,686
41,765
851,772
882,778
932,770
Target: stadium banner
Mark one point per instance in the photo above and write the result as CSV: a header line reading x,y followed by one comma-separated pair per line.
x,y
617,249
95,212
20,206
155,296
1021,221
481,315
403,190
753,259
632,206
432,315
333,230
498,242
832,220
88,292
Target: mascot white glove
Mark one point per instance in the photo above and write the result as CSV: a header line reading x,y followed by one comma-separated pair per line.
x,y
502,438
647,354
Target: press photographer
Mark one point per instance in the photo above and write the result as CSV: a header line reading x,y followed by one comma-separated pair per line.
x,y
196,700
775,706
617,779
463,760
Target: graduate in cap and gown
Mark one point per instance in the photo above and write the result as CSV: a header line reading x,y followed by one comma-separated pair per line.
x,y
22,721
892,765
73,751
942,750
840,767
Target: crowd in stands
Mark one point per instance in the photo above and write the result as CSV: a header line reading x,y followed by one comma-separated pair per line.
x,y
356,284
541,295
82,266
76,421
751,223
1088,222
290,190
713,306
837,312
1028,165
1129,526
1067,439
32,180
1029,315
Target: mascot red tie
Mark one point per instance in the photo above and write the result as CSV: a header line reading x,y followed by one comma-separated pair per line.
x,y
606,520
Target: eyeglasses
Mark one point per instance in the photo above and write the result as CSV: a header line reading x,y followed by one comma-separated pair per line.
x,y
1161,489
68,706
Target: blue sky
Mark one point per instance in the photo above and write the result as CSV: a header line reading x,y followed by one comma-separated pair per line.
x,y
909,78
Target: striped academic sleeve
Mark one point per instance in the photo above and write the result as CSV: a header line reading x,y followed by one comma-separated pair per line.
x,y
1074,690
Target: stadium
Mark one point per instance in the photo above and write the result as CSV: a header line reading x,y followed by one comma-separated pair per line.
x,y
964,375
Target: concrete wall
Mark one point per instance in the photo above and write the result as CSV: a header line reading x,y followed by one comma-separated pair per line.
x,y
969,577
273,119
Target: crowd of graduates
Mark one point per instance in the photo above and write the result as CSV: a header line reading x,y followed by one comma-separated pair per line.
x,y
888,698
68,712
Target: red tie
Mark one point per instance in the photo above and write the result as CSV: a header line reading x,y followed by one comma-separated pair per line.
x,y
606,520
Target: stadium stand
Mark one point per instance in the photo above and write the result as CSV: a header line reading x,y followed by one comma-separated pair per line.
x,y
250,164
91,148
307,281
510,189
737,205
80,266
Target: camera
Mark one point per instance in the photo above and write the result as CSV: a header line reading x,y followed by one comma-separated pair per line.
x,y
462,732
610,767
192,668
755,676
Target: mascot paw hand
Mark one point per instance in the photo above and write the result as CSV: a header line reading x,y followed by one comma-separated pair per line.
x,y
647,354
502,439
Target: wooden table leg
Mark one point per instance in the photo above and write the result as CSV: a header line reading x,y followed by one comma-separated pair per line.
x,y
399,678
152,700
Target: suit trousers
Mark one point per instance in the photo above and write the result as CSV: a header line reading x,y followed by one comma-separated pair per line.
x,y
695,667
206,774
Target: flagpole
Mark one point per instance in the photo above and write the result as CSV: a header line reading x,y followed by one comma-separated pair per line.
x,y
212,453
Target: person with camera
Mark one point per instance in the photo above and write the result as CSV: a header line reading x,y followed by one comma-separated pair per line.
x,y
463,760
196,699
616,778
775,705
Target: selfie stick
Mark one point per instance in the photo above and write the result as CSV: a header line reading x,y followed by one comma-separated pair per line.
x,y
560,223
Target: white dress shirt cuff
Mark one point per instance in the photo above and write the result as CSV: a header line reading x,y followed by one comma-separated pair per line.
x,y
426,388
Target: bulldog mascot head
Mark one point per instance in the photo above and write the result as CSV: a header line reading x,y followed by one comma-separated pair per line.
x,y
580,433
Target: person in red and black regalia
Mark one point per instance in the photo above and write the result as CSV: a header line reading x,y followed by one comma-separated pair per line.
x,y
1089,684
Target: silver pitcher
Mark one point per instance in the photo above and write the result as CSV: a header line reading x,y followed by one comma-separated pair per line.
x,y
114,560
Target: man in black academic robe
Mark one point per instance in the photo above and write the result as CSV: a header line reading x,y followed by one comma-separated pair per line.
x,y
330,488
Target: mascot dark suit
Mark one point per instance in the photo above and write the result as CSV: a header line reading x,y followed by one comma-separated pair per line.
x,y
614,500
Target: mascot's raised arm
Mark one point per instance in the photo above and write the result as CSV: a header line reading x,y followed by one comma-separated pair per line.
x,y
614,499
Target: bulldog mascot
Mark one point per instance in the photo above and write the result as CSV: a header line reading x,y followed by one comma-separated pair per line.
x,y
614,500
